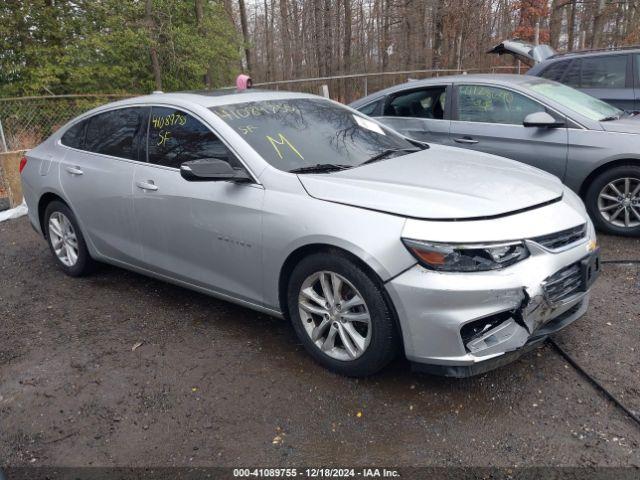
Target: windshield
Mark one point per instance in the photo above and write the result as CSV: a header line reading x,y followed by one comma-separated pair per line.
x,y
305,132
575,100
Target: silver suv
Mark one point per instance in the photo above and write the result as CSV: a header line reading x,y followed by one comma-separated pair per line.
x,y
610,75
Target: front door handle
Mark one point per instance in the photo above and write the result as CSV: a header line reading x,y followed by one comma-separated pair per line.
x,y
75,170
147,185
465,140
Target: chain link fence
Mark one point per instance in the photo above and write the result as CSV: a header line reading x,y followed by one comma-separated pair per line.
x,y
26,121
347,88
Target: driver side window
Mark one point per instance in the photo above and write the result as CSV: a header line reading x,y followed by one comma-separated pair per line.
x,y
176,137
480,103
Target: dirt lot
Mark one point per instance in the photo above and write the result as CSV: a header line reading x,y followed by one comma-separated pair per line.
x,y
216,384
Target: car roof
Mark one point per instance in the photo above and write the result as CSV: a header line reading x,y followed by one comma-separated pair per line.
x,y
211,98
594,53
504,79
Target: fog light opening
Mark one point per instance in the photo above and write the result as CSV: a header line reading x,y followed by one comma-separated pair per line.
x,y
475,330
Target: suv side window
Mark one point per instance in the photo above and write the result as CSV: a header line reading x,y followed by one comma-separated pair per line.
x,y
370,109
423,103
606,71
555,71
176,137
480,103
572,77
74,137
115,132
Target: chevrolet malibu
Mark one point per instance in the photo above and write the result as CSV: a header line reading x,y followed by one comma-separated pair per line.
x,y
370,243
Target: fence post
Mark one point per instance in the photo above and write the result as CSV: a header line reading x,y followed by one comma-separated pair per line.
x,y
324,88
2,139
366,86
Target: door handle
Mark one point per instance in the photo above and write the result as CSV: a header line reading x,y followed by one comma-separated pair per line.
x,y
74,170
465,140
147,185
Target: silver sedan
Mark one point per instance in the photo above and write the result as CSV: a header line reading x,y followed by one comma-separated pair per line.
x,y
294,205
591,146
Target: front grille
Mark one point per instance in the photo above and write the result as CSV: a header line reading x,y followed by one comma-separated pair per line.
x,y
561,239
563,284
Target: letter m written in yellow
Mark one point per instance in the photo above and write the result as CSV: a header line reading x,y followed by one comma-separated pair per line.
x,y
282,141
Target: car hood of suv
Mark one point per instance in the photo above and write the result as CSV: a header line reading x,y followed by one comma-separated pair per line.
x,y
441,183
624,125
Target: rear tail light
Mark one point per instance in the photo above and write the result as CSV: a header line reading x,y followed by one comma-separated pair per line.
x,y
23,163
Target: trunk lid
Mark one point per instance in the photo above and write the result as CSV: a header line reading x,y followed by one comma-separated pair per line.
x,y
530,54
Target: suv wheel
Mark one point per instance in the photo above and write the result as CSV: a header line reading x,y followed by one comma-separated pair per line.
x,y
613,201
66,241
341,315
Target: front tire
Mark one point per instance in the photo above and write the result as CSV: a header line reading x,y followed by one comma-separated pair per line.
x,y
341,315
66,240
613,201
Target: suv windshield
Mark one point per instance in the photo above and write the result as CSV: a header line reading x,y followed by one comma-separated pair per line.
x,y
575,100
305,132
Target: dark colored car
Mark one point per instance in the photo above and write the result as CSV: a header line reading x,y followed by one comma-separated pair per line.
x,y
610,75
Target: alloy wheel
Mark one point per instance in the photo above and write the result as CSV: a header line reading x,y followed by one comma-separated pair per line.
x,y
334,315
619,202
63,239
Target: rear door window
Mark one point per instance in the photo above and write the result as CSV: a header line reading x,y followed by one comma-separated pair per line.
x,y
423,103
176,137
606,71
555,71
116,132
572,77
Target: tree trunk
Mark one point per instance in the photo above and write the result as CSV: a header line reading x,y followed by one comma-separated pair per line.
x,y
598,25
346,49
245,35
199,6
571,27
437,34
555,22
153,51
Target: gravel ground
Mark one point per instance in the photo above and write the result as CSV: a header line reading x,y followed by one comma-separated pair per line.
x,y
213,384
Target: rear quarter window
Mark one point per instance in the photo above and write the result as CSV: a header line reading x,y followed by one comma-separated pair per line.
x,y
74,136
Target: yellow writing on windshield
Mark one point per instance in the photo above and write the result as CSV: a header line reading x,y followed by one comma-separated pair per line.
x,y
282,141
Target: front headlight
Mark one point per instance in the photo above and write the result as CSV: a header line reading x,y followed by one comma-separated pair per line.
x,y
466,258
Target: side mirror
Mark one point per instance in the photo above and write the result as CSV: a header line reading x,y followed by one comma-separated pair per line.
x,y
211,170
542,120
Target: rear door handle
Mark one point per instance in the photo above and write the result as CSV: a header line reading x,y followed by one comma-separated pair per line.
x,y
147,185
465,140
74,170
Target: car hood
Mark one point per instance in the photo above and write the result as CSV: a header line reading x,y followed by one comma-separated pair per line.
x,y
440,183
624,125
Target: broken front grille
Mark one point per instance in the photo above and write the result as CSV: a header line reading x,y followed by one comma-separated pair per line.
x,y
563,284
558,240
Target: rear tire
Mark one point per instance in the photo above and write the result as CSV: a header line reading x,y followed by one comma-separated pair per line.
x,y
351,332
613,202
66,240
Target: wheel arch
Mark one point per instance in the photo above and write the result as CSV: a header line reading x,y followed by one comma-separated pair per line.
x,y
43,202
619,162
309,249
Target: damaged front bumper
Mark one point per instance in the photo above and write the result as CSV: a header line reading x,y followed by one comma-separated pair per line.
x,y
462,324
